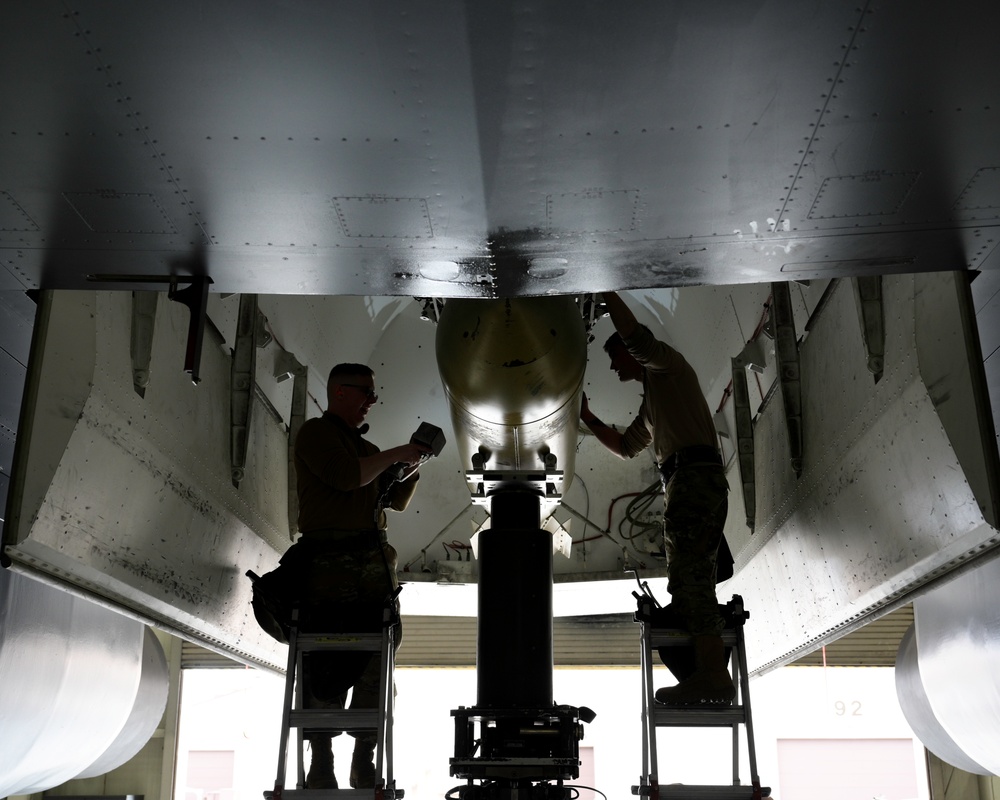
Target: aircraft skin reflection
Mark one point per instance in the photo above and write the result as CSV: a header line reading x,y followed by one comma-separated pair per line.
x,y
513,372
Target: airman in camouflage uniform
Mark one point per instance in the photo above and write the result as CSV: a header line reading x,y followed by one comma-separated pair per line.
x,y
675,419
343,566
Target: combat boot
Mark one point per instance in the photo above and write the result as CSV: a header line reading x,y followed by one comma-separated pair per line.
x,y
363,765
321,764
711,682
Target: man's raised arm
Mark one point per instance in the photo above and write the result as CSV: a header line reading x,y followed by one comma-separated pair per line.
x,y
621,315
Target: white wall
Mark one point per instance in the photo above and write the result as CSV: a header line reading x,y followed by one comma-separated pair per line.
x,y
242,713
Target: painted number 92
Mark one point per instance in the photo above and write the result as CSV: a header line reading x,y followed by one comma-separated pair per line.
x,y
852,709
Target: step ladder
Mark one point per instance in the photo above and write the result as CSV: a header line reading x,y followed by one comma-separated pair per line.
x,y
322,720
657,715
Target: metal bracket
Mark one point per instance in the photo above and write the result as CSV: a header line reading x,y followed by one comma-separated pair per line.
x,y
141,344
195,297
285,366
547,483
518,744
263,334
868,294
591,309
243,377
753,355
430,308
786,350
744,439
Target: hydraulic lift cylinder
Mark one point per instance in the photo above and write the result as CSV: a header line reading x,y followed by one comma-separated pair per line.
x,y
514,653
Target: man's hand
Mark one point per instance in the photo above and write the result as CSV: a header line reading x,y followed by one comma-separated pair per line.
x,y
606,435
588,417
411,453
409,457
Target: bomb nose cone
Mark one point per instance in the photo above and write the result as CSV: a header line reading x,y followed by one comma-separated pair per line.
x,y
513,370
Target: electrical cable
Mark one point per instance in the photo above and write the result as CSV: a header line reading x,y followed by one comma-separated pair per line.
x,y
606,532
458,547
601,532
438,535
634,511
578,787
644,589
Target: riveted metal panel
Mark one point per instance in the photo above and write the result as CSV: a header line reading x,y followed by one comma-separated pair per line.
x,y
129,499
867,195
877,513
13,217
109,211
874,645
642,146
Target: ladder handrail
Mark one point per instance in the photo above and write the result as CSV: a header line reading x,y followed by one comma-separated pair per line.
x,y
279,781
745,699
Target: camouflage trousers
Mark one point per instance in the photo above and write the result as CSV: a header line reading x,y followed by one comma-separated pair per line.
x,y
695,507
344,588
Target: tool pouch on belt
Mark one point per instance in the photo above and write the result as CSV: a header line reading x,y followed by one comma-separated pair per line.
x,y
272,603
339,585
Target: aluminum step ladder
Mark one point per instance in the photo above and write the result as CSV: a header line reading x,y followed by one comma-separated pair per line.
x,y
321,720
657,715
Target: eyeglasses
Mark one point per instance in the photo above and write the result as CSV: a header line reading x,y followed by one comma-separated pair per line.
x,y
368,391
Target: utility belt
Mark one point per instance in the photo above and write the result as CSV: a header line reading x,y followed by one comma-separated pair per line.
x,y
695,454
326,574
343,539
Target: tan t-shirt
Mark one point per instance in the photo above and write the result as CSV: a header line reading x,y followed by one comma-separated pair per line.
x,y
327,473
673,413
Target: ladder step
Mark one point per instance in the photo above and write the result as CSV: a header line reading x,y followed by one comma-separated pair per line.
x,y
697,716
677,637
334,719
313,642
679,791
